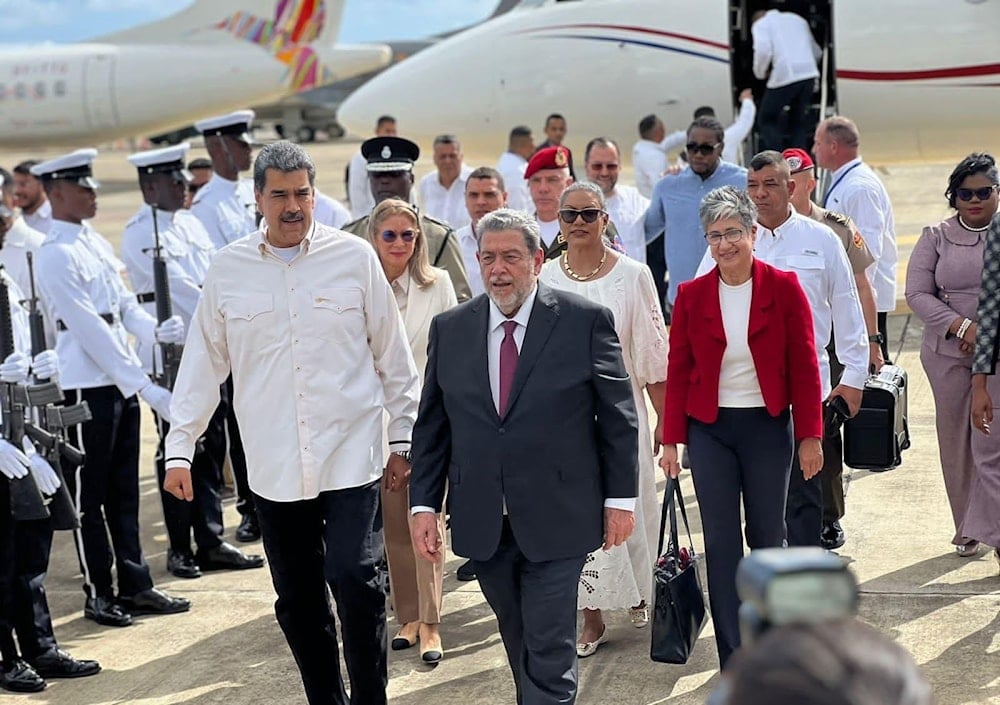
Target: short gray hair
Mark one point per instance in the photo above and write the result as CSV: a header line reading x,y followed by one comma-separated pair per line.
x,y
842,130
587,186
724,203
284,156
510,219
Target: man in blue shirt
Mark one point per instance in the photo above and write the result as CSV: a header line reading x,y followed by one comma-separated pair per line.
x,y
674,206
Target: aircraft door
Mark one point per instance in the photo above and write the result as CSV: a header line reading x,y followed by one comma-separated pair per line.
x,y
819,15
99,92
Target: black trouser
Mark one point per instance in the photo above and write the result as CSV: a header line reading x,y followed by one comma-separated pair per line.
x,y
805,508
832,474
336,540
657,262
203,516
237,456
32,618
783,117
105,492
883,328
535,605
8,649
745,452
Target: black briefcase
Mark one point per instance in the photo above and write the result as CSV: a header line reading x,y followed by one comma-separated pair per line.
x,y
876,437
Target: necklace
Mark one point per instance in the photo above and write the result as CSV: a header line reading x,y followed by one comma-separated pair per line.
x,y
970,228
583,277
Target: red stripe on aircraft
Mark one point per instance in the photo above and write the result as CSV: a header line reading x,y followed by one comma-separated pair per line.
x,y
920,75
641,30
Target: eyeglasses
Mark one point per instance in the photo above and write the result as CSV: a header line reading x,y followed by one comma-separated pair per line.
x,y
704,149
589,215
601,166
391,236
732,235
966,194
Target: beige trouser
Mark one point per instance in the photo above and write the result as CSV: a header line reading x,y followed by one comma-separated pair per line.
x,y
415,583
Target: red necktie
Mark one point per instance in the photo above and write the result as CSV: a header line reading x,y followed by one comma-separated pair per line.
x,y
508,363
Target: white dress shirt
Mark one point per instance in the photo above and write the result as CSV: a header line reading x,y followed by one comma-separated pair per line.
x,y
330,211
359,191
549,231
859,193
17,243
627,210
511,167
317,350
649,161
41,219
226,208
78,284
467,240
188,251
447,204
783,43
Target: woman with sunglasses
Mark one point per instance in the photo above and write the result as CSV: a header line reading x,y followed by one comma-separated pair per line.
x,y
422,292
943,285
621,578
742,368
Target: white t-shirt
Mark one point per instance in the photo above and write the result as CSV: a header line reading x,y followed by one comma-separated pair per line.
x,y
738,384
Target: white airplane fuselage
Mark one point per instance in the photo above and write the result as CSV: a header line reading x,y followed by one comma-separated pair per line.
x,y
919,76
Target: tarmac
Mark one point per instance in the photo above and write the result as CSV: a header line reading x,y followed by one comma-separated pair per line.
x,y
228,649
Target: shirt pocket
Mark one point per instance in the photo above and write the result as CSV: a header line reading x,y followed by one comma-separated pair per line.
x,y
811,271
337,313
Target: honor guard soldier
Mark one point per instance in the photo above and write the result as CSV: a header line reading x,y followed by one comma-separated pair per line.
x,y
227,208
94,314
182,242
18,238
390,175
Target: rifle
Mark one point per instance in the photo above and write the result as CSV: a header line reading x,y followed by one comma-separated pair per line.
x,y
26,500
165,373
55,421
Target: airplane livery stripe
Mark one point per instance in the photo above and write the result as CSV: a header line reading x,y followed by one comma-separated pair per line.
x,y
641,30
921,74
637,42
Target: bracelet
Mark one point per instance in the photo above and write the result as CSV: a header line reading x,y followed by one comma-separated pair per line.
x,y
962,329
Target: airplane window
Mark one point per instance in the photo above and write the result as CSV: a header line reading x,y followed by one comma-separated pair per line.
x,y
59,89
20,91
40,90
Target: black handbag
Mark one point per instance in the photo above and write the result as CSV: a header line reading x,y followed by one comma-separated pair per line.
x,y
678,603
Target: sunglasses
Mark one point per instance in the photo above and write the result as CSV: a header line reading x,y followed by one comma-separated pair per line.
x,y
732,235
704,149
391,236
589,215
966,194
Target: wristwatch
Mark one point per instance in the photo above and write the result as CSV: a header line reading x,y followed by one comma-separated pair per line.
x,y
877,338
405,455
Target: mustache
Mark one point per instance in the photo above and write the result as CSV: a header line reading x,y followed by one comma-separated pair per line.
x,y
292,217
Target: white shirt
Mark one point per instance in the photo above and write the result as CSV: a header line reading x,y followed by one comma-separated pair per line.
x,y
733,135
467,241
649,162
78,284
511,167
739,387
41,219
447,204
188,251
549,230
330,211
17,243
783,42
359,191
859,193
627,210
226,208
401,290
317,350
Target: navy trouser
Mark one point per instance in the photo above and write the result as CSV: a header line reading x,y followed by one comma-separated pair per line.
x,y
745,453
783,116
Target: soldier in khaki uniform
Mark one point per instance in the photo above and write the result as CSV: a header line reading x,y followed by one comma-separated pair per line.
x,y
390,175
860,258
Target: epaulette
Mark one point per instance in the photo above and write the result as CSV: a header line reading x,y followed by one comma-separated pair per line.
x,y
435,221
837,217
355,224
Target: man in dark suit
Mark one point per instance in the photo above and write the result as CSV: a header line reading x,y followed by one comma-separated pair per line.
x,y
528,415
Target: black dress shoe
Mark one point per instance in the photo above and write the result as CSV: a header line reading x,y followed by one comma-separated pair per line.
x,y
832,536
249,528
19,677
56,663
182,565
154,601
466,572
226,556
104,610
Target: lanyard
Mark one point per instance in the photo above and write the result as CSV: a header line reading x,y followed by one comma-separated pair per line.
x,y
836,183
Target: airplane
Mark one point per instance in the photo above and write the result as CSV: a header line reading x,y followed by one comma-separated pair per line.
x,y
211,57
920,77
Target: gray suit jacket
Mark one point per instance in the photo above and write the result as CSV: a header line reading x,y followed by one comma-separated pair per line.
x,y
569,438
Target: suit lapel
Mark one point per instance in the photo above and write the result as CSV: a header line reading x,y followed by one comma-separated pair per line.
x,y
760,301
709,292
480,352
418,306
543,318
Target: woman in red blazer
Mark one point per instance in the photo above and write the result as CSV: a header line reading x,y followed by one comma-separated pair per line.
x,y
742,373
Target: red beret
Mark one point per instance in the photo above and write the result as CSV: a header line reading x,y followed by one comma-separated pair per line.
x,y
548,158
798,159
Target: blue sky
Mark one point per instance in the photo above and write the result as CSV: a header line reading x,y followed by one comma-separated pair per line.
x,y
26,21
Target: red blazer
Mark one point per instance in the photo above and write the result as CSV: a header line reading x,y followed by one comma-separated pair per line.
x,y
781,342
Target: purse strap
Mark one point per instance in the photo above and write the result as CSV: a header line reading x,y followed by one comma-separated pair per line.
x,y
672,492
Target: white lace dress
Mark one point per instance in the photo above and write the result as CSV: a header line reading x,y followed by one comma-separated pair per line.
x,y
623,577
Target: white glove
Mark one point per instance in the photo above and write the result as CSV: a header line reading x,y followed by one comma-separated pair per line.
x,y
14,369
13,463
157,397
171,331
45,477
46,365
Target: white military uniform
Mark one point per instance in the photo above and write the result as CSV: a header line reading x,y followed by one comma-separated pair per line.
x,y
41,219
330,211
511,167
627,210
447,204
226,208
17,243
